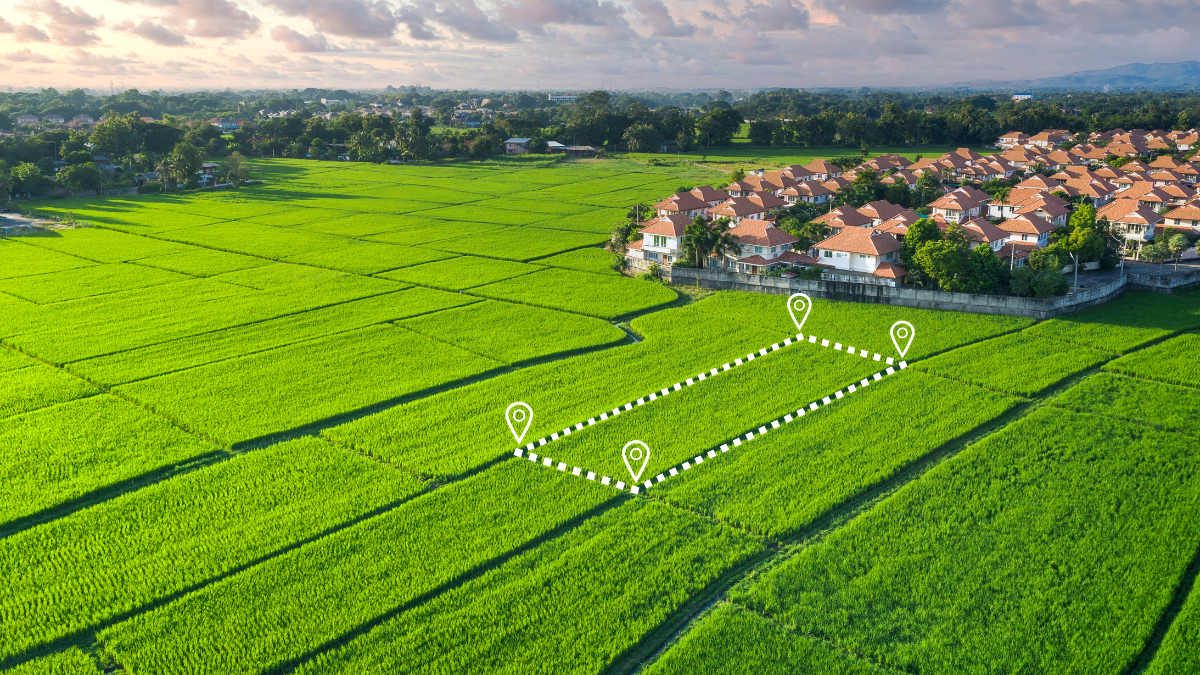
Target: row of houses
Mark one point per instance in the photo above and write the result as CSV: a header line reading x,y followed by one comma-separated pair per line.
x,y
1139,200
1118,140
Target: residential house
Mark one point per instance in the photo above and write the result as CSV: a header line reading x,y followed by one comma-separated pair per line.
x,y
956,207
1184,217
880,211
757,206
1028,229
843,217
1127,149
83,119
662,239
711,195
1132,220
823,170
979,232
761,245
1050,138
799,173
902,177
53,119
862,251
1012,139
27,119
810,191
516,146
898,225
684,203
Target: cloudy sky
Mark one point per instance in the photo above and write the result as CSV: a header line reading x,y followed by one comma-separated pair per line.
x,y
577,44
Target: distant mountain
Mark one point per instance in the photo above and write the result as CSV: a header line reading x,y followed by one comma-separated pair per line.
x,y
1184,75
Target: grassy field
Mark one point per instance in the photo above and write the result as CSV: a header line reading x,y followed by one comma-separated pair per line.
x,y
263,431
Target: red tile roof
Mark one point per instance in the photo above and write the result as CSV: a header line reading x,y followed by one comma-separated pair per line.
x,y
1026,224
670,225
752,232
864,240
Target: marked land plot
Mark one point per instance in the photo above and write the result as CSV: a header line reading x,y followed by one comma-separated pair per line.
x,y
991,363
1173,361
22,260
85,282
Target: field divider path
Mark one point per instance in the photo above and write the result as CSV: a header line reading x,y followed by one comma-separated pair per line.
x,y
527,451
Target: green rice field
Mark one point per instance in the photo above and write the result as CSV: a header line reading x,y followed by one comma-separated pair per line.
x,y
267,431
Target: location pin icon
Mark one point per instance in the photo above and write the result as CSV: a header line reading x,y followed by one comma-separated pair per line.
x,y
519,416
903,332
635,453
799,305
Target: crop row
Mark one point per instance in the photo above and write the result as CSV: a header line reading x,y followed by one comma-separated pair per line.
x,y
37,386
216,345
732,640
598,295
71,661
85,282
1017,363
1173,361
1167,407
600,588
1178,653
455,431
368,257
79,571
518,243
57,454
788,478
22,260
249,397
1051,546
276,612
203,262
103,246
1125,323
456,274
512,333
696,418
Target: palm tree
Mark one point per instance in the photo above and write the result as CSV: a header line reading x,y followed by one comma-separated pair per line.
x,y
358,144
697,239
721,243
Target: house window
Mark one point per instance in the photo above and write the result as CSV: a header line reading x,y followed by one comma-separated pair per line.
x,y
861,255
758,249
828,254
660,240
651,255
1024,237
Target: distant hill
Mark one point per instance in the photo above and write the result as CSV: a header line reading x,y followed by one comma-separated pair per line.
x,y
1184,75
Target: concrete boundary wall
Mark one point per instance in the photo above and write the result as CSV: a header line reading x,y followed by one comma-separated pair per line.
x,y
1162,283
1035,308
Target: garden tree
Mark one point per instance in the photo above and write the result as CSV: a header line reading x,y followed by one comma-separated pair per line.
x,y
738,174
591,119
316,149
899,193
1051,258
1045,283
762,131
364,146
189,159
170,170
78,157
642,137
1175,244
865,188
1155,252
295,151
986,273
235,166
117,136
78,177
160,138
701,240
718,127
412,136
5,182
928,188
28,178
76,142
919,233
946,259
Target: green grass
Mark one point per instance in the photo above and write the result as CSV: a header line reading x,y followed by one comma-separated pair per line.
x,y
38,386
197,350
597,295
1163,406
79,571
264,241
517,243
573,590
732,640
86,282
1017,364
71,661
1052,546
321,591
22,260
368,257
203,262
103,246
1123,324
1177,653
1175,361
455,431
311,381
57,454
595,260
787,479
456,274
512,333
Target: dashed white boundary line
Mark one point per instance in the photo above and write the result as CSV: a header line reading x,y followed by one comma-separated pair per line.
x,y
527,451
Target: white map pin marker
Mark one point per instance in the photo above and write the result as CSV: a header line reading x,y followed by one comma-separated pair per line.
x,y
799,303
515,418
632,453
903,331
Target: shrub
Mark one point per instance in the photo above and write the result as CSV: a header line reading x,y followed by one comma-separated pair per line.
x,y
150,188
